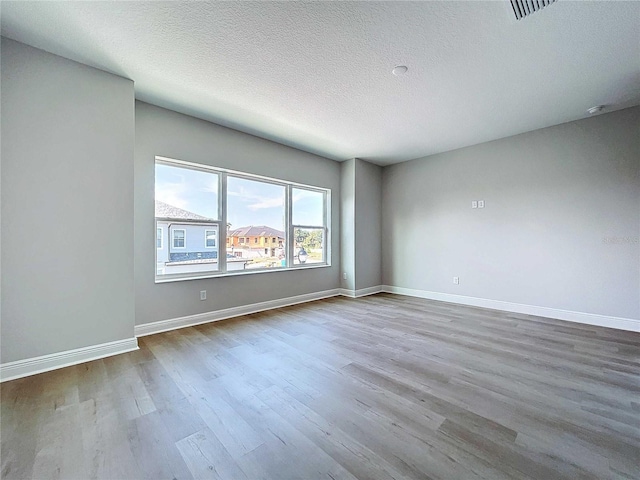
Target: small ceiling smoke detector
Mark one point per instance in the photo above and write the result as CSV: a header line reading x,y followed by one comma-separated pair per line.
x,y
399,70
596,109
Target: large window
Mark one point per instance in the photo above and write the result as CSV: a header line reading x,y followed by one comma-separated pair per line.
x,y
220,222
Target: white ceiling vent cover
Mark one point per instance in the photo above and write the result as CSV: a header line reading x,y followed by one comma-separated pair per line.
x,y
522,8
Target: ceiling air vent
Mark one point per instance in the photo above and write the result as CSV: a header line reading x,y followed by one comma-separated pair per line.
x,y
522,8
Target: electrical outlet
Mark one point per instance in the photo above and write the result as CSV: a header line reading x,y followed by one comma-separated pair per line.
x,y
456,280
203,294
474,204
480,203
344,275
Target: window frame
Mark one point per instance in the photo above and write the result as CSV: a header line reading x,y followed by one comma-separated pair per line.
x,y
159,237
325,229
223,238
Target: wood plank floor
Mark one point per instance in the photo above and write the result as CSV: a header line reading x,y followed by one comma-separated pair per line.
x,y
380,387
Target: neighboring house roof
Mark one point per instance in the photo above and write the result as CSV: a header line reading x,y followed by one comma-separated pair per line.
x,y
169,212
256,231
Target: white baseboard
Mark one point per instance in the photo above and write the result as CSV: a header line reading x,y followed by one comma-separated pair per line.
x,y
363,292
198,319
53,361
45,363
567,315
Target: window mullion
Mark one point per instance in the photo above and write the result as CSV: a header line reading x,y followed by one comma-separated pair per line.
x,y
222,215
325,218
289,227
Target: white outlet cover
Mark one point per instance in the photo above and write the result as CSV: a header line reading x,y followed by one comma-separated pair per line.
x,y
474,204
480,203
456,280
203,294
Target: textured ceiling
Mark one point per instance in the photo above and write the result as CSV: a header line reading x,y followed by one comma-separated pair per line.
x,y
317,76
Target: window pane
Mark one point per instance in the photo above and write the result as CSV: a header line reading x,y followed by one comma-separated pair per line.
x,y
158,238
186,216
186,193
309,245
308,207
255,209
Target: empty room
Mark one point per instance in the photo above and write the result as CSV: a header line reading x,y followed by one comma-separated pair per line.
x,y
264,240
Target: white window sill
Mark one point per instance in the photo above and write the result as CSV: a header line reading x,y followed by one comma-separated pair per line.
x,y
182,278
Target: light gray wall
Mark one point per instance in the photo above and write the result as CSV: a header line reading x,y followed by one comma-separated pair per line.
x,y
368,230
166,133
67,203
560,227
360,224
348,224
